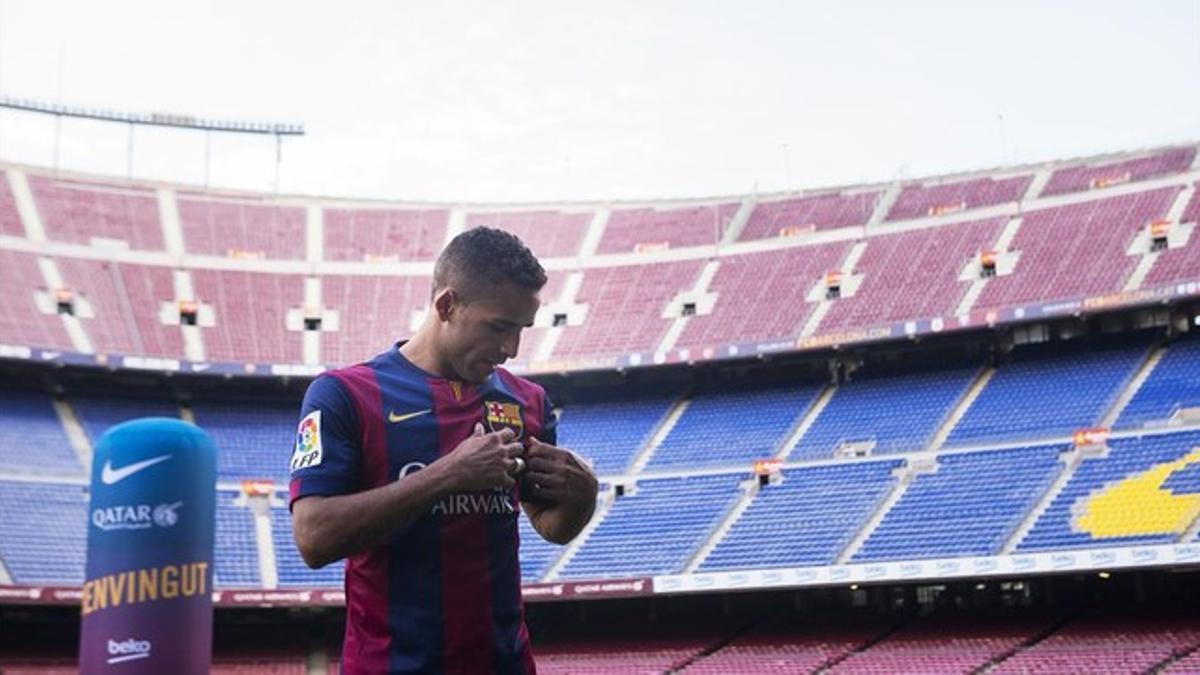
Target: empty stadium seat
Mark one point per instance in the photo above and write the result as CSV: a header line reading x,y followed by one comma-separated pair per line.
x,y
253,439
1046,393
235,555
969,506
43,532
32,438
892,413
676,514
1144,491
1174,384
807,518
611,433
732,426
293,572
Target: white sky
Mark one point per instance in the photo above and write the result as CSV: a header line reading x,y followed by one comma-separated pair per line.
x,y
527,101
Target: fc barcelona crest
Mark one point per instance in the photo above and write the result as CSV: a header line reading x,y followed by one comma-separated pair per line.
x,y
501,415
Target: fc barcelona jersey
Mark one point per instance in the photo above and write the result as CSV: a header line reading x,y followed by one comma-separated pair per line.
x,y
444,595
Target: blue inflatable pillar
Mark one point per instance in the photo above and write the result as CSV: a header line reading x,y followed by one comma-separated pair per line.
x,y
147,593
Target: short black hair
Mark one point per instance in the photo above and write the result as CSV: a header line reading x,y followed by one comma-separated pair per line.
x,y
486,256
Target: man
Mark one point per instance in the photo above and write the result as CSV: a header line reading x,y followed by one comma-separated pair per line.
x,y
412,466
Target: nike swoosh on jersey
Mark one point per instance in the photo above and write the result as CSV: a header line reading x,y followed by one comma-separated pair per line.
x,y
393,417
109,475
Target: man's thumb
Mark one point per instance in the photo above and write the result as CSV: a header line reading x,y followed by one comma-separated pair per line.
x,y
478,429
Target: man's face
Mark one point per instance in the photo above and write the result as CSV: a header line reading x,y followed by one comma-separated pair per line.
x,y
486,331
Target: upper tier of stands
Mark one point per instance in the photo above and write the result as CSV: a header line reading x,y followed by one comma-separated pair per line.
x,y
549,234
359,235
749,289
237,228
82,212
646,228
909,275
363,269
1101,174
791,217
918,201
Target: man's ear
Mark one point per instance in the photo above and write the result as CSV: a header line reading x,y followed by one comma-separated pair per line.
x,y
444,303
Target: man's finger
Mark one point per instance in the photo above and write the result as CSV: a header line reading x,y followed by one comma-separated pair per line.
x,y
543,464
512,449
541,480
478,429
506,434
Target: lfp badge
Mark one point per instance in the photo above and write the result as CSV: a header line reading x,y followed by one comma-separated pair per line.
x,y
503,415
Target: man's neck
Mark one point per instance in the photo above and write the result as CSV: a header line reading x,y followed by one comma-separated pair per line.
x,y
420,352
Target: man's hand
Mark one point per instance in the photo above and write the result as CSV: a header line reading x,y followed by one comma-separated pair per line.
x,y
561,489
482,461
556,475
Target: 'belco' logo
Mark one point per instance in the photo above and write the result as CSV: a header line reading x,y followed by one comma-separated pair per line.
x,y
135,516
128,650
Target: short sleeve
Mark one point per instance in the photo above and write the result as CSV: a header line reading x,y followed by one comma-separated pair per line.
x,y
326,455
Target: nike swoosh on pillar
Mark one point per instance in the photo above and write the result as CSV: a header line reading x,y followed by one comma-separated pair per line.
x,y
109,475
393,417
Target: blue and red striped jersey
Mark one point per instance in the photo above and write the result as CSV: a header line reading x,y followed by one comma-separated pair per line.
x,y
444,595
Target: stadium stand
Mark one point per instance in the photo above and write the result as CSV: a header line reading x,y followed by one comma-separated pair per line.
x,y
373,311
969,506
1076,250
125,300
945,642
98,414
250,309
549,234
21,321
610,433
1142,491
10,219
726,426
253,438
613,655
80,213
864,412
384,234
676,513
235,557
239,228
1047,392
1173,385
43,531
1179,264
293,571
1107,643
749,288
31,437
625,307
789,217
807,518
537,554
788,645
912,275
921,200
629,230
1102,174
